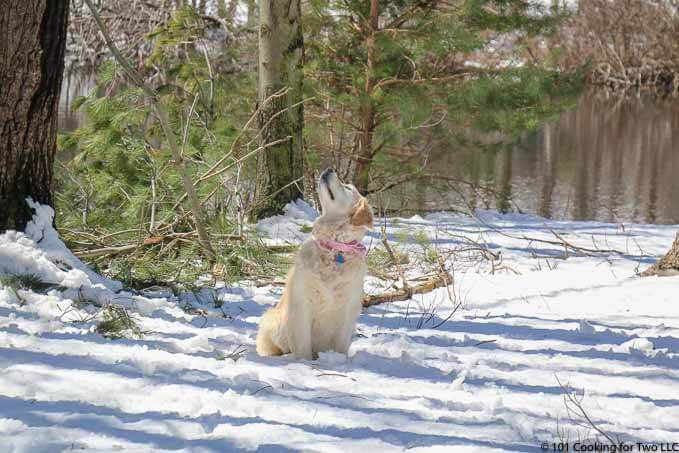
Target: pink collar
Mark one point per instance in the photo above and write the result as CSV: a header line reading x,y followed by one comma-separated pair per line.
x,y
353,247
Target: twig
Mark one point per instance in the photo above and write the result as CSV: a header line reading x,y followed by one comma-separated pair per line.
x,y
392,255
571,401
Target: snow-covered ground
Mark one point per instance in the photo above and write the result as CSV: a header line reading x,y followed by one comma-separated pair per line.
x,y
491,377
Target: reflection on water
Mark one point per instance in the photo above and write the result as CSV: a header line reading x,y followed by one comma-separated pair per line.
x,y
73,86
615,162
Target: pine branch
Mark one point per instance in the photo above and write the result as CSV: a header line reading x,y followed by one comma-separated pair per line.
x,y
177,156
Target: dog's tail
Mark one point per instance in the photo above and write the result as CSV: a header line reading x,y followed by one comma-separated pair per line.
x,y
269,326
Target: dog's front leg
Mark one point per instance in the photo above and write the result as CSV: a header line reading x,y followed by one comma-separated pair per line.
x,y
299,331
299,321
348,327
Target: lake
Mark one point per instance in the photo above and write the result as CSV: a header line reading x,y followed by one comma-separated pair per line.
x,y
608,160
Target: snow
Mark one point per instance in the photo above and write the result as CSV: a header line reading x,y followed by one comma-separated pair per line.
x,y
53,261
286,228
485,380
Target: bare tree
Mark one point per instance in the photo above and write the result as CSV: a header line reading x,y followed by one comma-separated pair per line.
x,y
281,50
33,36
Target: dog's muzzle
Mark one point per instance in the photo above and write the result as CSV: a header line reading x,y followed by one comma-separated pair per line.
x,y
326,174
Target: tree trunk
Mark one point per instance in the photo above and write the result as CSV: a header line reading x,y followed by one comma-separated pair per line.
x,y
252,11
555,7
221,8
229,14
281,50
669,264
365,155
33,37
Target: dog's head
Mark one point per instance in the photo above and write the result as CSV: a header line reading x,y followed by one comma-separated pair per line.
x,y
345,214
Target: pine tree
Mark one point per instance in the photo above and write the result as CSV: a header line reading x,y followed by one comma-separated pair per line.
x,y
388,68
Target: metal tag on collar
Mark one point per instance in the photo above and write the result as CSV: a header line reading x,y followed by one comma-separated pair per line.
x,y
339,258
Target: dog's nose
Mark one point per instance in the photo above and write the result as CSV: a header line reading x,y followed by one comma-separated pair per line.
x,y
326,174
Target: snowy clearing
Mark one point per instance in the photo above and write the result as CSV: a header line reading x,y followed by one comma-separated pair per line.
x,y
486,379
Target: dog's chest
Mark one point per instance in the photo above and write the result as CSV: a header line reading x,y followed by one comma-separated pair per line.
x,y
335,307
340,270
336,281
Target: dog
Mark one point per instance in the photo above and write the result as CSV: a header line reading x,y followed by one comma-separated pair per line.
x,y
323,293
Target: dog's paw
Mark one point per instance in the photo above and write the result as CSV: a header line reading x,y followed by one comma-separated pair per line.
x,y
332,358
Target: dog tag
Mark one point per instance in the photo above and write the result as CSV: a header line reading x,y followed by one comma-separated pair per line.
x,y
339,258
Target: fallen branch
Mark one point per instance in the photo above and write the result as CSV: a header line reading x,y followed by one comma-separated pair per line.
x,y
281,248
270,282
438,281
106,251
129,248
433,282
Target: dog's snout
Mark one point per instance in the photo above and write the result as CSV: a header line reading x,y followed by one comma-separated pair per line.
x,y
326,174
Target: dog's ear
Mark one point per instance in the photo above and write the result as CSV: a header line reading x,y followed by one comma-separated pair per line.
x,y
362,215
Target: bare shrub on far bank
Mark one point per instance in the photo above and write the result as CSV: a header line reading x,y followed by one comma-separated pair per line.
x,y
628,44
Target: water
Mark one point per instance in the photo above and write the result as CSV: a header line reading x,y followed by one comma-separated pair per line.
x,y
605,160
73,86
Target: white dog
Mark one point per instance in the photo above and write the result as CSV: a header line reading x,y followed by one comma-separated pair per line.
x,y
324,290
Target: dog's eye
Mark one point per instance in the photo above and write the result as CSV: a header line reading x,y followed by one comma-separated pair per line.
x,y
350,187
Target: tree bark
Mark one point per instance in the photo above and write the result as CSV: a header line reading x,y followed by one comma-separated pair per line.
x,y
668,264
365,155
281,51
33,37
